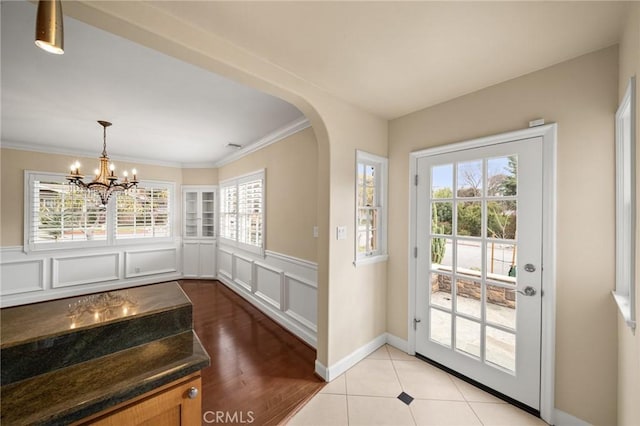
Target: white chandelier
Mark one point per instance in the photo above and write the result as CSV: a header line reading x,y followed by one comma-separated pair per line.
x,y
105,182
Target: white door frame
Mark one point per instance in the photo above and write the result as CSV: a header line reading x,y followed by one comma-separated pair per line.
x,y
548,133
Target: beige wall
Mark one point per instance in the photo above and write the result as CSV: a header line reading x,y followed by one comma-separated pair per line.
x,y
339,128
15,162
629,343
291,174
357,307
581,96
200,176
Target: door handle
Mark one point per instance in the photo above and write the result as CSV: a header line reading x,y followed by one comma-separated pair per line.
x,y
528,291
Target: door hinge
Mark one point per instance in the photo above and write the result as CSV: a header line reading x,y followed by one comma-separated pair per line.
x,y
415,323
415,252
416,180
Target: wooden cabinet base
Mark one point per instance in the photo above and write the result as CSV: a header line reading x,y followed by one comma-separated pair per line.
x,y
171,405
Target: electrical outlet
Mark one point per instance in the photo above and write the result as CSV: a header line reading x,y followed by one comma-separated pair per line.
x,y
341,232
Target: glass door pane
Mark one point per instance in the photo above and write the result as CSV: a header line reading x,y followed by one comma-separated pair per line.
x,y
208,211
191,214
473,237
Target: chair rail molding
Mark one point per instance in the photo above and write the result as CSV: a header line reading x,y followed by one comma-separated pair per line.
x,y
44,275
281,286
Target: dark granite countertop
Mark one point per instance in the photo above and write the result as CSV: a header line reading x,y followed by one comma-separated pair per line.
x,y
23,324
113,372
73,393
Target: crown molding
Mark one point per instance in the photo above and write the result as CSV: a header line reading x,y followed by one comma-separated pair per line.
x,y
277,135
287,130
47,149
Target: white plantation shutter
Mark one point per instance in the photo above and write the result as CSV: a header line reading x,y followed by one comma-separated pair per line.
x,y
60,213
250,212
242,210
143,213
228,211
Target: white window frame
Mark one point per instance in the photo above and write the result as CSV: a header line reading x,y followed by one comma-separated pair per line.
x,y
31,176
235,182
381,165
625,291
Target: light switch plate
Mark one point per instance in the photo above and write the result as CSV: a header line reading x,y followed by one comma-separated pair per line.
x,y
315,232
341,232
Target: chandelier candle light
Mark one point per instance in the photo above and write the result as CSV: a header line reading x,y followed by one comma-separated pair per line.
x,y
105,182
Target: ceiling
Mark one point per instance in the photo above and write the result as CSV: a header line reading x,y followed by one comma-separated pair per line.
x,y
163,111
395,57
389,58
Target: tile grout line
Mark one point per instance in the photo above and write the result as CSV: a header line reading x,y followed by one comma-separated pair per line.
x,y
393,364
346,394
346,399
475,414
466,400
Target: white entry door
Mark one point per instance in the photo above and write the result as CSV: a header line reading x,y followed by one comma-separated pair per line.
x,y
478,268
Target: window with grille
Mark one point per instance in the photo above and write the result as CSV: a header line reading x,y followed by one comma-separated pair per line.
x,y
59,215
371,180
242,211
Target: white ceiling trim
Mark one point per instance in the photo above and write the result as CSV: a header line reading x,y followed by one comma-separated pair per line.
x,y
277,135
48,149
283,132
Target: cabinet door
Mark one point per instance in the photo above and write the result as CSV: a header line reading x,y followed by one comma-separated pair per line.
x,y
172,407
207,260
207,207
191,214
191,259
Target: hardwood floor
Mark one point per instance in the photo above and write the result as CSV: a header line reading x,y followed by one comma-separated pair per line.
x,y
260,373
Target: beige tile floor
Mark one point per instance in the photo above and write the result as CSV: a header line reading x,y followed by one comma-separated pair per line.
x,y
367,395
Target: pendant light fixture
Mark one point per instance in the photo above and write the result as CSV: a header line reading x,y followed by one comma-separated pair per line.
x,y
49,26
105,182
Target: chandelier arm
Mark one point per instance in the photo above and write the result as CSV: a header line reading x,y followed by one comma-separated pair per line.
x,y
105,182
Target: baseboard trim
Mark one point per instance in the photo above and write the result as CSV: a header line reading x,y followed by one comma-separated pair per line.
x,y
275,314
335,370
321,371
397,342
562,418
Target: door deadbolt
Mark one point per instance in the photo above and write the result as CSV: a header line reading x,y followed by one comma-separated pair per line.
x,y
529,267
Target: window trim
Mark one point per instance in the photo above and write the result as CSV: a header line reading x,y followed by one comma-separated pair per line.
x,y
235,181
382,164
625,286
111,241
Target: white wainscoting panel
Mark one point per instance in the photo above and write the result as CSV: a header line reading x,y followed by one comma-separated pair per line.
x,y
22,276
293,265
269,284
78,270
54,274
225,263
281,286
150,262
300,296
243,271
